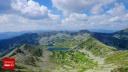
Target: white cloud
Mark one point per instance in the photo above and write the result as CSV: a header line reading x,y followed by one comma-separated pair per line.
x,y
54,17
75,22
13,23
30,15
115,19
118,9
97,9
30,8
69,6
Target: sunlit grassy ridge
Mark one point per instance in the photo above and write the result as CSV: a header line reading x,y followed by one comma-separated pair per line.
x,y
73,59
96,47
118,58
63,40
121,69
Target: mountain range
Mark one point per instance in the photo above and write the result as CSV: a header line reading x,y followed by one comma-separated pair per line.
x,y
87,51
117,39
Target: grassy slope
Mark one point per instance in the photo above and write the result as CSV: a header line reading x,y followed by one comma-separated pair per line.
x,y
120,59
96,47
72,60
77,43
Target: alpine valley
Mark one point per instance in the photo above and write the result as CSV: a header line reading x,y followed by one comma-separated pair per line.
x,y
85,51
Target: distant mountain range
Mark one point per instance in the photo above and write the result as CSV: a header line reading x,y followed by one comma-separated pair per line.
x,y
27,38
103,31
8,40
7,35
117,39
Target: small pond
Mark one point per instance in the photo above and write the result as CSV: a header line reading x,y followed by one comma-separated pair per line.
x,y
58,49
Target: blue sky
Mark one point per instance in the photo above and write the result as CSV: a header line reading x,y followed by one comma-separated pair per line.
x,y
29,15
47,3
125,2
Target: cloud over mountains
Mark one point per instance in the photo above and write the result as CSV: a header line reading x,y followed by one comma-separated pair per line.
x,y
24,15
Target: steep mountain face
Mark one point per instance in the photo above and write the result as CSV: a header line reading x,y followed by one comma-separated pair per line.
x,y
118,39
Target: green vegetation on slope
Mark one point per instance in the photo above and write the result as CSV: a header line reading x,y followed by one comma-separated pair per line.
x,y
96,47
73,59
120,69
118,58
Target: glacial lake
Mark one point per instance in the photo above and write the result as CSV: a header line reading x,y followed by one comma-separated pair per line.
x,y
58,49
